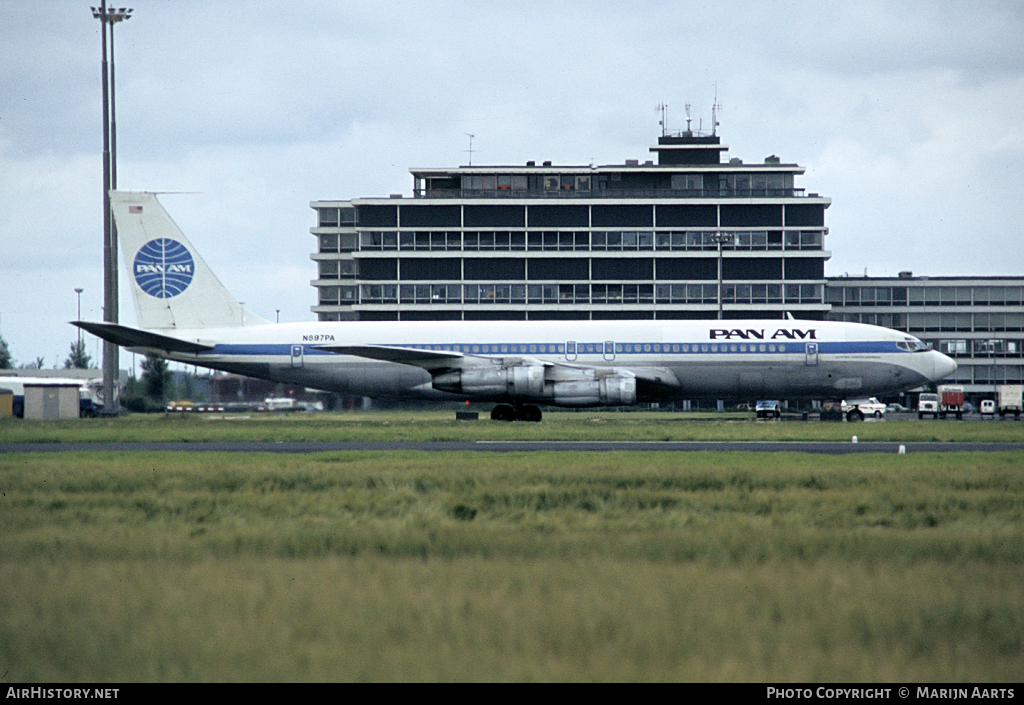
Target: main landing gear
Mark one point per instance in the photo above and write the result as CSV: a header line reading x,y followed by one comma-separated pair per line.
x,y
518,412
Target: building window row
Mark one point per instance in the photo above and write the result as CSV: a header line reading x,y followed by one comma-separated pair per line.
x,y
568,241
988,347
839,295
336,217
568,294
987,374
667,270
976,321
568,216
688,185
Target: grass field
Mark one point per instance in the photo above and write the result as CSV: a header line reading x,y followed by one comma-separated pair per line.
x,y
584,425
524,566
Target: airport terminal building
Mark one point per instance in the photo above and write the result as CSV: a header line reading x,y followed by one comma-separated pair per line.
x,y
690,236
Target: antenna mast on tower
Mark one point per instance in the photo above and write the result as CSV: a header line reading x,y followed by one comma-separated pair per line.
x,y
470,150
714,113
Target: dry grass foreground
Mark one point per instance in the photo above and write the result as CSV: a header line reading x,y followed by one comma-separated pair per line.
x,y
535,566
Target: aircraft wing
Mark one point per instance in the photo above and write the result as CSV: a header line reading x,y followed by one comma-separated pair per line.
x,y
128,337
435,360
427,359
654,382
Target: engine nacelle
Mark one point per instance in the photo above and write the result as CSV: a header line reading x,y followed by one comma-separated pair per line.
x,y
561,386
613,390
516,382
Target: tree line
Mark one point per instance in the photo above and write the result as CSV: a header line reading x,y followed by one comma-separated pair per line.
x,y
77,358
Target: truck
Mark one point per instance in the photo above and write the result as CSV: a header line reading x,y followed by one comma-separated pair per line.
x,y
768,409
279,404
1008,399
928,403
951,400
948,400
858,409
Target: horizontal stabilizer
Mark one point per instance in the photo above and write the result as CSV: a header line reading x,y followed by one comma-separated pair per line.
x,y
135,338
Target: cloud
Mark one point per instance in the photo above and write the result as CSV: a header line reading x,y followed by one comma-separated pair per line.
x,y
907,115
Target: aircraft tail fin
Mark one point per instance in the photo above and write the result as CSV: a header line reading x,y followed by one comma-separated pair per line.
x,y
172,286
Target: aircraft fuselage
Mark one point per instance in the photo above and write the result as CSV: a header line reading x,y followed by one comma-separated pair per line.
x,y
701,359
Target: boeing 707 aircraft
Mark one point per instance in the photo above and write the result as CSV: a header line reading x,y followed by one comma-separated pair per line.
x,y
185,314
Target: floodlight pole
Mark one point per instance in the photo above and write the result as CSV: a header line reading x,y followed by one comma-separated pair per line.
x,y
111,362
79,290
721,238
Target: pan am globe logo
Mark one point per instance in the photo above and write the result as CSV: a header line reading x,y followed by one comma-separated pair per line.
x,y
164,268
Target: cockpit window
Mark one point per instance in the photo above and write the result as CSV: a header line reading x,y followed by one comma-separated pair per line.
x,y
912,344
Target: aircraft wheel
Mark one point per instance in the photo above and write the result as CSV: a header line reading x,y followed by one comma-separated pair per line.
x,y
528,412
855,415
503,412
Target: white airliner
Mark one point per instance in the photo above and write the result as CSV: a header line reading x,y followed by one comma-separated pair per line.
x,y
186,314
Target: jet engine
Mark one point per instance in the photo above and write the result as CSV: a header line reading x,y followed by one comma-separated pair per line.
x,y
554,384
613,390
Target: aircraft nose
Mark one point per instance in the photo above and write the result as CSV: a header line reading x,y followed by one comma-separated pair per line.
x,y
944,366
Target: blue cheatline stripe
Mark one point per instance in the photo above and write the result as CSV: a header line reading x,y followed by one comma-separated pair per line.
x,y
589,348
263,349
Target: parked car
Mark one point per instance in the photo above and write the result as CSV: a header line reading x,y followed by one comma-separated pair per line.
x,y
858,409
895,408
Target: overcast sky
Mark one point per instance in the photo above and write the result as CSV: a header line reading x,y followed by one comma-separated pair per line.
x,y
906,114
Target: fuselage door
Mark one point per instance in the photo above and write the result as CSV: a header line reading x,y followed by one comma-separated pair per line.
x,y
296,356
811,354
570,350
609,350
